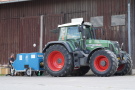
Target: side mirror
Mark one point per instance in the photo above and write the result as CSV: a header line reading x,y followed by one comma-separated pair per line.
x,y
80,28
55,30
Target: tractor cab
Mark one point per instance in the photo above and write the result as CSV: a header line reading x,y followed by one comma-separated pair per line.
x,y
72,31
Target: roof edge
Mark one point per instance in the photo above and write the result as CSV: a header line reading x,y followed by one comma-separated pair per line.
x,y
11,1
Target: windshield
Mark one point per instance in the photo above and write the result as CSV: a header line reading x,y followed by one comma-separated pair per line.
x,y
73,33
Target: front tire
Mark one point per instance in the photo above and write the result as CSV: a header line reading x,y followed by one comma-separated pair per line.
x,y
58,61
103,63
126,68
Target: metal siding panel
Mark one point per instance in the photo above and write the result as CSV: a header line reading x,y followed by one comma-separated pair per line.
x,y
30,34
48,26
9,39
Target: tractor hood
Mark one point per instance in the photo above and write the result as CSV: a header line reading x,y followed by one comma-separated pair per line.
x,y
93,44
97,43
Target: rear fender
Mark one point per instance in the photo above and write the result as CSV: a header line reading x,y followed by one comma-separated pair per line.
x,y
63,43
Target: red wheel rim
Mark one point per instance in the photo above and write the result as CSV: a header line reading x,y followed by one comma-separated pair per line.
x,y
55,61
120,67
101,63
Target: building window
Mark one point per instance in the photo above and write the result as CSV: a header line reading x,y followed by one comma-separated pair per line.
x,y
97,21
117,20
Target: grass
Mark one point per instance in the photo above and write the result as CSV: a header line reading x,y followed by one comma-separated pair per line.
x,y
2,75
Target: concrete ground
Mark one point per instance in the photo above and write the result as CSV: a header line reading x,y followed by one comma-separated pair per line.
x,y
88,82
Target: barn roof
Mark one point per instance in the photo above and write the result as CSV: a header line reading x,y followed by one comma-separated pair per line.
x,y
11,1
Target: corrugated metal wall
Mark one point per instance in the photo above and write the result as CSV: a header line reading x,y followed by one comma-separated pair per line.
x,y
50,23
29,34
9,41
55,12
18,36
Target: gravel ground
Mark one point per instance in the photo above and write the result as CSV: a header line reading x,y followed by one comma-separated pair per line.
x,y
88,82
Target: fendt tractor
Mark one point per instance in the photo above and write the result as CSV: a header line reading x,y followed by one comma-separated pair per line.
x,y
77,51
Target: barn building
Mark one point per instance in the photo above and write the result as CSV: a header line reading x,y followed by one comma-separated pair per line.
x,y
21,22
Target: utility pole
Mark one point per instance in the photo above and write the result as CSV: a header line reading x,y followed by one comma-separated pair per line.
x,y
41,34
129,29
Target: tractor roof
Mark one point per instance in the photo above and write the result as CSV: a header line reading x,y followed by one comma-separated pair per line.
x,y
73,24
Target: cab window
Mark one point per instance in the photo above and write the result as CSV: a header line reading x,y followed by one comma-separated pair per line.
x,y
89,33
62,33
73,33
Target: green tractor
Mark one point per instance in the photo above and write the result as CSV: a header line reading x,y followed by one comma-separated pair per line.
x,y
77,51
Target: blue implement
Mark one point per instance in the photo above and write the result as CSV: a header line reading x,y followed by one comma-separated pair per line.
x,y
31,60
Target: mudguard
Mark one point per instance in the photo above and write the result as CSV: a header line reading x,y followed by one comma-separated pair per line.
x,y
64,43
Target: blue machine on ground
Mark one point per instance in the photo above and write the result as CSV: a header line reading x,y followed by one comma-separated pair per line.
x,y
29,63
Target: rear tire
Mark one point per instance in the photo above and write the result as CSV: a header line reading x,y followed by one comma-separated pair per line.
x,y
103,63
58,61
81,71
126,68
